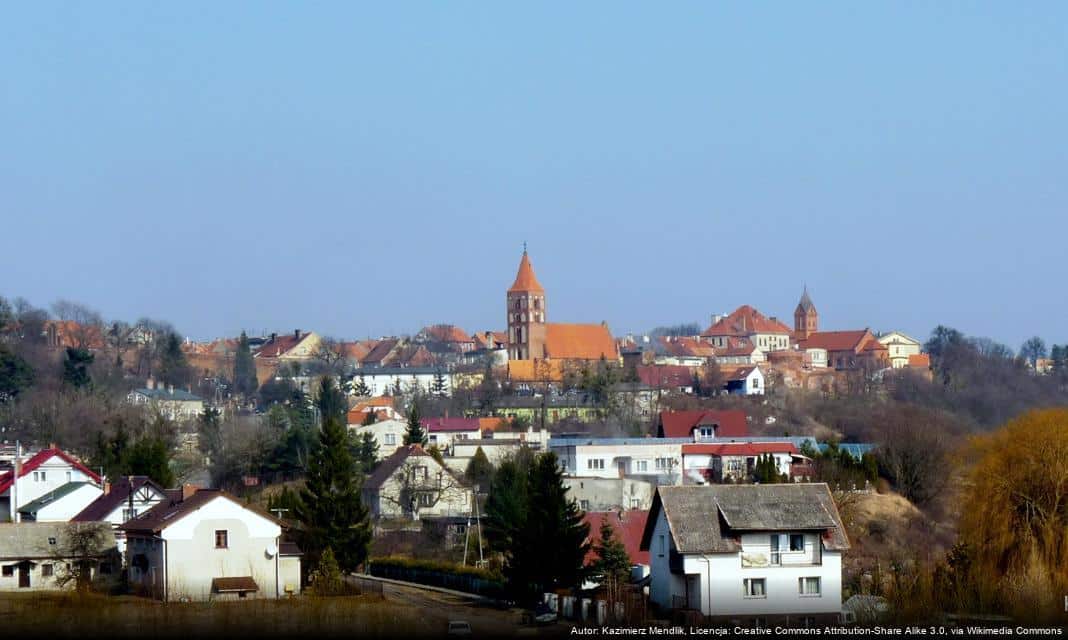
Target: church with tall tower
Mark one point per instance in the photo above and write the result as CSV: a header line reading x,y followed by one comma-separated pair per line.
x,y
526,314
531,337
806,318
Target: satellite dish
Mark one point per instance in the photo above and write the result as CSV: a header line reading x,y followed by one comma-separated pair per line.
x,y
271,551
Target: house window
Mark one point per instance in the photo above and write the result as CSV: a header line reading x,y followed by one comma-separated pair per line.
x,y
51,541
635,503
426,499
797,542
420,472
662,546
642,465
36,476
707,432
584,505
221,539
754,588
47,570
808,586
756,383
663,463
43,476
68,476
391,439
129,514
595,463
9,571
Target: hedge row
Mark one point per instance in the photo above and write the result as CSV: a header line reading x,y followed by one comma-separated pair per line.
x,y
439,574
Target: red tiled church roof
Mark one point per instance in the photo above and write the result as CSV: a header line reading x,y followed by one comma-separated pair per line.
x,y
525,279
579,342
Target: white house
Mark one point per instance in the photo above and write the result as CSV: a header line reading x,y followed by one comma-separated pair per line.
x,y
121,501
411,484
382,380
747,554
206,545
40,474
61,504
735,461
389,434
899,347
35,556
176,404
748,380
657,459
611,494
443,432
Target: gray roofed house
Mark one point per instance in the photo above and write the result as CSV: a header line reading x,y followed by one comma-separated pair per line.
x,y
176,403
747,552
62,503
33,554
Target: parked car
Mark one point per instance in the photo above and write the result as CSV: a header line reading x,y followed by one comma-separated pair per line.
x,y
543,614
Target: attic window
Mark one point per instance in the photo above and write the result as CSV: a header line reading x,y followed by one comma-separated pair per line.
x,y
51,541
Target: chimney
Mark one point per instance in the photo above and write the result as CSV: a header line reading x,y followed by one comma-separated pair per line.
x,y
107,487
274,336
773,319
188,490
296,334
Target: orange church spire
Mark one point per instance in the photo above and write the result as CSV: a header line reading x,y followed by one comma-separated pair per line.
x,y
525,280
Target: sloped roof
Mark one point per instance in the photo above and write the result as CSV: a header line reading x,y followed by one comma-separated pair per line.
x,y
579,342
279,346
920,361
446,333
535,370
738,373
706,518
29,540
836,340
388,466
118,495
628,527
680,424
745,321
170,511
168,395
525,280
739,448
683,346
805,305
58,493
380,351
439,425
657,376
356,350
42,456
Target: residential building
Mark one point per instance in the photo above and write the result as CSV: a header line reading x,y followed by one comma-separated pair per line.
x,y
60,504
383,379
38,475
736,461
38,556
443,431
410,484
206,544
683,350
121,501
667,378
848,350
738,350
768,334
900,348
703,424
553,407
298,346
383,407
753,555
746,381
388,434
176,404
627,527
657,459
610,494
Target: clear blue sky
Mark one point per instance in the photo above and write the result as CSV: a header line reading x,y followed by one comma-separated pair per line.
x,y
365,169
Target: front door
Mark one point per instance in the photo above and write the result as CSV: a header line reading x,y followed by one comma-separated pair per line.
x,y
24,575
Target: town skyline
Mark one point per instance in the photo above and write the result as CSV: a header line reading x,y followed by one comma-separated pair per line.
x,y
223,181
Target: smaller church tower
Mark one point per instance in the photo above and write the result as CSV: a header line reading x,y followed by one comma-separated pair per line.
x,y
806,318
526,314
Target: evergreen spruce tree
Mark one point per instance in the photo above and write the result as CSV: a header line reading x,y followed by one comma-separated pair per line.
x,y
440,384
360,388
330,511
245,382
76,367
173,366
540,531
479,471
331,402
414,434
611,569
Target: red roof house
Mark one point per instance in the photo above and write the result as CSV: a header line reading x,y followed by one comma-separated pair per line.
x,y
725,423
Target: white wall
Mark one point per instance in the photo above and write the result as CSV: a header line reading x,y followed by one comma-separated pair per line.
x,y
52,474
70,505
382,432
576,460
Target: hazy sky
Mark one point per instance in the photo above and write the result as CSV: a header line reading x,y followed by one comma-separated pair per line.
x,y
366,169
